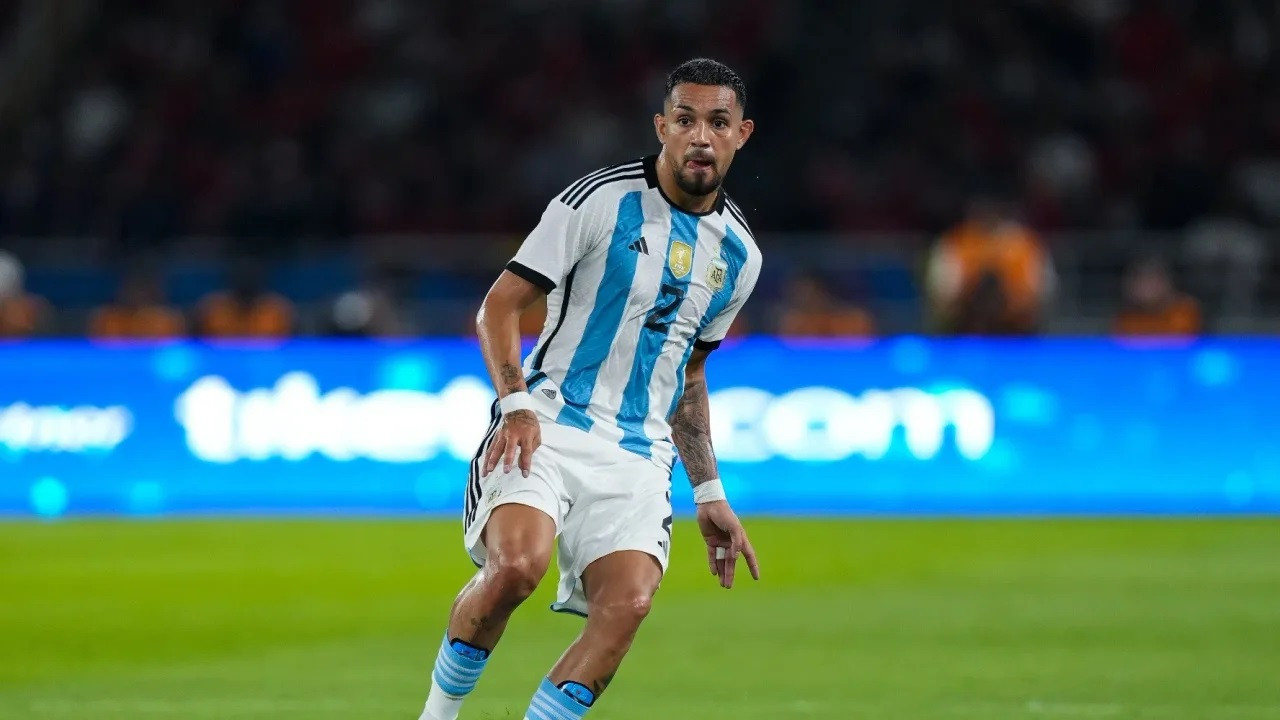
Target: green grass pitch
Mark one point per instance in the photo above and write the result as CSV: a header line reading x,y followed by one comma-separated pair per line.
x,y
886,619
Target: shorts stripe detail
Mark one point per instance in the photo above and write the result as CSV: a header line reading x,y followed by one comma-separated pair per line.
x,y
473,480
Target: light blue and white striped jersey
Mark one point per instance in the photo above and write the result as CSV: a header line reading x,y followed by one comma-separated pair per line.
x,y
634,284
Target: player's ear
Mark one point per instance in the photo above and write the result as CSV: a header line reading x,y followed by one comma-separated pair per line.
x,y
660,127
744,132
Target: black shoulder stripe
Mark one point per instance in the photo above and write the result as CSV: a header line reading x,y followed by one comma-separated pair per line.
x,y
582,182
580,193
735,210
737,215
587,178
573,196
601,183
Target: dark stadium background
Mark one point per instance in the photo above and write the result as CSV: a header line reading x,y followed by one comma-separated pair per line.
x,y
340,180
349,143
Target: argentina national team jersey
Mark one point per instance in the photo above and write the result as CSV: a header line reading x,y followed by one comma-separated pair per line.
x,y
634,284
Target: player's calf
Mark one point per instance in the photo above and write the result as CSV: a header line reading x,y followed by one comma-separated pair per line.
x,y
620,589
611,627
482,609
518,540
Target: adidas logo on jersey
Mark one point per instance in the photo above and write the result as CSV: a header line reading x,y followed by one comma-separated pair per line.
x,y
640,246
549,393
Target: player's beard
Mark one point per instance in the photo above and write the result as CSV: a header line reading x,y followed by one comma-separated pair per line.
x,y
698,184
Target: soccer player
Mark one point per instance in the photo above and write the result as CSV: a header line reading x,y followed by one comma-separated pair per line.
x,y
645,265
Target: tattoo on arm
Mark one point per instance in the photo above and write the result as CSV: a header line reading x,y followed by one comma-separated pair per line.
x,y
512,380
691,432
521,417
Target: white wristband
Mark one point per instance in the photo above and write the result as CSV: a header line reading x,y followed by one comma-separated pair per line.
x,y
709,491
516,401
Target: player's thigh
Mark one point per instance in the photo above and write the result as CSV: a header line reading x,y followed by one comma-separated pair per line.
x,y
617,510
510,515
519,535
622,582
517,515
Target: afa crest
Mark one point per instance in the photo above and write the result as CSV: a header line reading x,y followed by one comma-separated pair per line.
x,y
717,272
680,258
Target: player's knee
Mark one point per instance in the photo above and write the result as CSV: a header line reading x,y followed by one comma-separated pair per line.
x,y
627,612
515,576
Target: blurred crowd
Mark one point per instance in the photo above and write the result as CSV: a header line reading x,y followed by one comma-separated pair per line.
x,y
388,133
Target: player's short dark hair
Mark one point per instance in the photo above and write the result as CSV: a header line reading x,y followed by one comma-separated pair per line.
x,y
705,71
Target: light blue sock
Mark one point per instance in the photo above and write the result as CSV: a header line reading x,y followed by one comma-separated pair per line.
x,y
457,670
553,703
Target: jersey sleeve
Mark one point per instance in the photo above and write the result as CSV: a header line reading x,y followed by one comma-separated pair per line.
x,y
562,237
718,328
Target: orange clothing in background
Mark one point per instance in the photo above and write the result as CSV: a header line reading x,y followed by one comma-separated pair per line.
x,y
1180,317
21,316
222,315
838,322
145,322
1010,252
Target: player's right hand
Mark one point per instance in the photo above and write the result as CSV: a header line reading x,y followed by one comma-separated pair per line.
x,y
518,437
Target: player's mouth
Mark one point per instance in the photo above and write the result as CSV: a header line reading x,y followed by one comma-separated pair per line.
x,y
699,164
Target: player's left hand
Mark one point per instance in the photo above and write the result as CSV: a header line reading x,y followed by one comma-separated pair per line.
x,y
725,538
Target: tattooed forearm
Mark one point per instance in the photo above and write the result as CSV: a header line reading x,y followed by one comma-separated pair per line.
x,y
511,377
691,432
521,417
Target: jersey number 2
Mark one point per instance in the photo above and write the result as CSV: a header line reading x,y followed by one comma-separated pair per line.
x,y
665,309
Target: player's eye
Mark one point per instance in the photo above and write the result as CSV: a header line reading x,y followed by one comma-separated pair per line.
x,y
721,124
685,120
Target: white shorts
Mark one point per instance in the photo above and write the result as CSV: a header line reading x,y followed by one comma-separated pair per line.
x,y
602,498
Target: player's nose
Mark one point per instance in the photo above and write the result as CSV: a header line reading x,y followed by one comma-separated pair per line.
x,y
701,135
